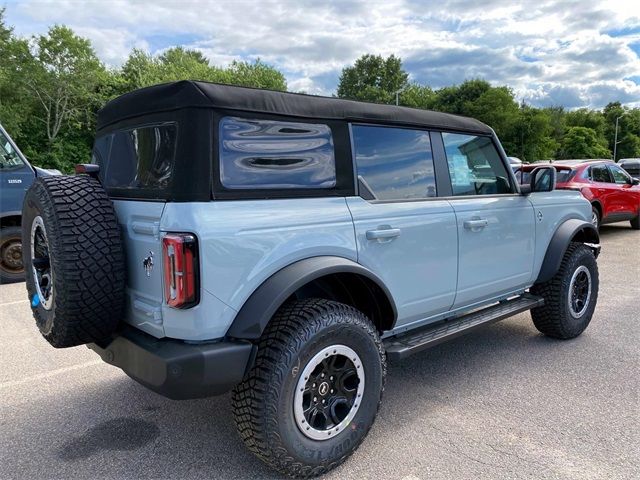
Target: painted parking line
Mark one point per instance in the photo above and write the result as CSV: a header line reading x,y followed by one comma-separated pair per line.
x,y
53,373
13,303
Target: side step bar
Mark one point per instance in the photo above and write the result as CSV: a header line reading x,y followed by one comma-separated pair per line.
x,y
403,345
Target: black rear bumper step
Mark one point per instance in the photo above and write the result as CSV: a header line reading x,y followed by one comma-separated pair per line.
x,y
401,346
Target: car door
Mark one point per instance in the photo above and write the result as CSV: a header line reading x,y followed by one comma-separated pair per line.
x,y
603,187
404,233
496,225
622,197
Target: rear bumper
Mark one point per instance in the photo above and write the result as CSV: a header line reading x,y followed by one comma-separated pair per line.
x,y
174,368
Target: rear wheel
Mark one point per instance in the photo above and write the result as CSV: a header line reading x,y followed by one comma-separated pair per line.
x,y
570,297
314,390
11,266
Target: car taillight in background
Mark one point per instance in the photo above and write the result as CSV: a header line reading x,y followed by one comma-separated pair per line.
x,y
180,259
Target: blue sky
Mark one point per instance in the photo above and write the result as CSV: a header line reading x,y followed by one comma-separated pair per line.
x,y
570,53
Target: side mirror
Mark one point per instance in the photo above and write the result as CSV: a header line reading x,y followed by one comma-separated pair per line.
x,y
635,181
543,179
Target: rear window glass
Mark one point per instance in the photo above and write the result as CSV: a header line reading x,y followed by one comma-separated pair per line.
x,y
272,154
137,158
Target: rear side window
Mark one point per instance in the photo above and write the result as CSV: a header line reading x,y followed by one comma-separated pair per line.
x,y
273,154
600,173
137,158
475,167
394,163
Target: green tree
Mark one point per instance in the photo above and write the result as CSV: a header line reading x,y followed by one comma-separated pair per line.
x,y
63,79
582,142
142,70
533,135
15,102
497,108
457,98
373,78
417,96
628,129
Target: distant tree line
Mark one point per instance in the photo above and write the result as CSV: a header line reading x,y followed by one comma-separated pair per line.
x,y
52,85
530,133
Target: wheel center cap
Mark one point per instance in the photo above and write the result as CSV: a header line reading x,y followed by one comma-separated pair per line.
x,y
323,389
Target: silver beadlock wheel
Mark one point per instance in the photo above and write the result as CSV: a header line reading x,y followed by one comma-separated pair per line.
x,y
41,263
579,291
329,392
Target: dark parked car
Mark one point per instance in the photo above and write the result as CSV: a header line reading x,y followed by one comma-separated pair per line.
x,y
613,193
16,176
631,165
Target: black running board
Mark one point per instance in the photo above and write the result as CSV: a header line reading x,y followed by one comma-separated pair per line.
x,y
403,345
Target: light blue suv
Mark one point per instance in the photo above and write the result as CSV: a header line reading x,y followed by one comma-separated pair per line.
x,y
286,246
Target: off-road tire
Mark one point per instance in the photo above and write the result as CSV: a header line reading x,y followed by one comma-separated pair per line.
x,y
86,259
263,401
635,223
10,238
554,318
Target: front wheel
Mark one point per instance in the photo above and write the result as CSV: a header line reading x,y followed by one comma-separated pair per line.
x,y
595,217
635,223
570,296
314,390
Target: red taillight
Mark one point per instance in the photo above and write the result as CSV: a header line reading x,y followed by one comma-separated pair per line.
x,y
180,258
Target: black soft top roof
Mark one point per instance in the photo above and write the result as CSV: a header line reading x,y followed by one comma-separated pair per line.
x,y
192,94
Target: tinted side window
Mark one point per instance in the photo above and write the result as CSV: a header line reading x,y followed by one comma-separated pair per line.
x,y
619,175
139,158
475,167
271,154
599,173
395,163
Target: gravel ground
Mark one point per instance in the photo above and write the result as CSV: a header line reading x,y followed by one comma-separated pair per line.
x,y
504,402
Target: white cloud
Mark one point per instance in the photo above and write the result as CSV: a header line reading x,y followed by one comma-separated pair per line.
x,y
580,53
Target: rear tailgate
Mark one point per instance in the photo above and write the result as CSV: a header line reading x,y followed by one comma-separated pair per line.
x,y
140,226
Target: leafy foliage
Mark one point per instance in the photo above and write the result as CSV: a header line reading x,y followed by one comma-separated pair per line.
x,y
532,134
52,85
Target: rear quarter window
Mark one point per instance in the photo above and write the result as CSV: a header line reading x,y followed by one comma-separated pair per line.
x,y
274,154
140,158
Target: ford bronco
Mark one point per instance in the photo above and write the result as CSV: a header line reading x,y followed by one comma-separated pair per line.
x,y
285,246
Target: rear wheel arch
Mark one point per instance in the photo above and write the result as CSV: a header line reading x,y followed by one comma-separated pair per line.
x,y
572,230
332,278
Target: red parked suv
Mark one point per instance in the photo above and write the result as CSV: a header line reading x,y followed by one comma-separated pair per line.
x,y
613,193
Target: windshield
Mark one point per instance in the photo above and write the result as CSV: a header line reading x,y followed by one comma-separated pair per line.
x,y
9,157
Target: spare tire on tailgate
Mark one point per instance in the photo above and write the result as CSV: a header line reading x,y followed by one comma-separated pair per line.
x,y
74,259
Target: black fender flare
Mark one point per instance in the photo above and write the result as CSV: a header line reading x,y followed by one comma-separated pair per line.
x,y
570,230
263,303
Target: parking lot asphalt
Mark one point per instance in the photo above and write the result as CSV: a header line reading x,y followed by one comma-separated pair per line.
x,y
504,402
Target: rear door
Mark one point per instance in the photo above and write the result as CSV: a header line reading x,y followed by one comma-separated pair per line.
x,y
404,233
135,168
496,226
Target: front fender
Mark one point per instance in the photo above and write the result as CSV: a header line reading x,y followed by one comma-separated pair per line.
x,y
569,231
263,303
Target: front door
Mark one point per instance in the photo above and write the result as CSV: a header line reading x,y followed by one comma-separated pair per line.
x,y
496,226
404,233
